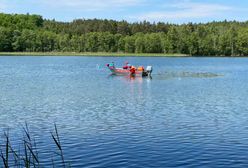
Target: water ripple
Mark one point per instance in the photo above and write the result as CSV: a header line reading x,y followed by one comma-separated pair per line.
x,y
192,113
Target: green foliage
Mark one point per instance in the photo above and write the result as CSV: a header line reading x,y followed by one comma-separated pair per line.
x,y
129,44
20,22
139,43
31,33
5,39
242,42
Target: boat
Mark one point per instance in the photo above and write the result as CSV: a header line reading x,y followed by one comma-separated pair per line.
x,y
131,71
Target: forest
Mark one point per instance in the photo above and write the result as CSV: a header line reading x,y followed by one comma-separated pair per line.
x,y
33,33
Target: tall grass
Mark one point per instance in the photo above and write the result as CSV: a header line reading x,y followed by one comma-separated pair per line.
x,y
58,144
28,154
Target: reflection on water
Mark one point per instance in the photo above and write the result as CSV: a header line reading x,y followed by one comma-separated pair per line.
x,y
118,121
131,79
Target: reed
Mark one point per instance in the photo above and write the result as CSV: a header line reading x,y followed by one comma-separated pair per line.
x,y
58,144
28,154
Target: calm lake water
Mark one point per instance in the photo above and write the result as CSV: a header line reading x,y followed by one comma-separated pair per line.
x,y
192,113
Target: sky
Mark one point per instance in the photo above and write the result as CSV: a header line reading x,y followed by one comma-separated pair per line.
x,y
172,11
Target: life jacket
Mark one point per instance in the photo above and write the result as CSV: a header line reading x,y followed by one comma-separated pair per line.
x,y
132,70
140,68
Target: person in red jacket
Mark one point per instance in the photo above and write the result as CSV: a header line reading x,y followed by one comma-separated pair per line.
x,y
132,70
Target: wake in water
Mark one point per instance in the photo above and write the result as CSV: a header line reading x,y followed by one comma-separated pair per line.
x,y
183,74
171,75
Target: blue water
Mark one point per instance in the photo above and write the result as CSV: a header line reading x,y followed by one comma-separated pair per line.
x,y
172,120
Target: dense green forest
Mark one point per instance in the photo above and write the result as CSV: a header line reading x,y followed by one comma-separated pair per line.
x,y
32,33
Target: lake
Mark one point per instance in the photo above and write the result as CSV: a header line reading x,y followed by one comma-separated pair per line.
x,y
192,113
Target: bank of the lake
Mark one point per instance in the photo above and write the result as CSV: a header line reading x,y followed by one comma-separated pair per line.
x,y
107,54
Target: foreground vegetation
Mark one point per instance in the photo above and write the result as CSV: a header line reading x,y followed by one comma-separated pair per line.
x,y
32,33
27,154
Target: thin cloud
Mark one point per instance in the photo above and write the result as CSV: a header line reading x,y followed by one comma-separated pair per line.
x,y
3,6
93,5
184,10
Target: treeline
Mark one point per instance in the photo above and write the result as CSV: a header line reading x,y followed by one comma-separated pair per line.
x,y
32,33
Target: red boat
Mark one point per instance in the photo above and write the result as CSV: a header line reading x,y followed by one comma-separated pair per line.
x,y
132,71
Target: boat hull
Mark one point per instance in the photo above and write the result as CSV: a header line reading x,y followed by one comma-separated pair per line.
x,y
126,72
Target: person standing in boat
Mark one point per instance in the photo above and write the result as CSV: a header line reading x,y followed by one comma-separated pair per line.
x,y
132,70
129,66
112,65
126,66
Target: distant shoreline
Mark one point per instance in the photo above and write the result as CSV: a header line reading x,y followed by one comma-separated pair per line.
x,y
100,54
106,54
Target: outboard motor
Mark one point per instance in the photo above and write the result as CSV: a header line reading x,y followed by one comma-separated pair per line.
x,y
149,70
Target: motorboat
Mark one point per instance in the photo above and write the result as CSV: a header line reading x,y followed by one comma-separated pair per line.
x,y
130,70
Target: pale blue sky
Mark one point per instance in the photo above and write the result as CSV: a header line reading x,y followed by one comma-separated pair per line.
x,y
173,11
